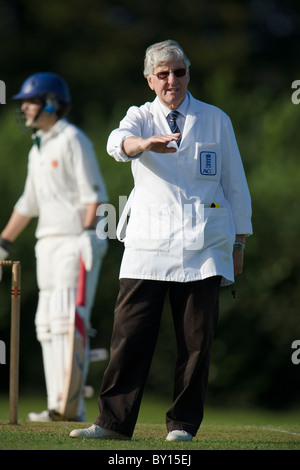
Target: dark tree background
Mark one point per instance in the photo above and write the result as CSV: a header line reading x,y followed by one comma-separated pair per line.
x,y
244,57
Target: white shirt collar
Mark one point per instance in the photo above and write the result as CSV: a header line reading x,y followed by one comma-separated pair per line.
x,y
182,109
55,129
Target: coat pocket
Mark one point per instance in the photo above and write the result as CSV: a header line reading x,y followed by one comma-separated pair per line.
x,y
149,228
218,230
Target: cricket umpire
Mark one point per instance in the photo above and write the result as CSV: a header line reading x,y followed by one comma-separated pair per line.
x,y
63,188
190,214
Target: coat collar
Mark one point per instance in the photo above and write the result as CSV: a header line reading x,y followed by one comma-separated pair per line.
x,y
160,119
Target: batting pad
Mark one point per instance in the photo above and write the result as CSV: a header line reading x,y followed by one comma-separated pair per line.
x,y
78,355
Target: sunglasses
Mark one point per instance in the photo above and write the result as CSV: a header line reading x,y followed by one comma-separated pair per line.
x,y
163,75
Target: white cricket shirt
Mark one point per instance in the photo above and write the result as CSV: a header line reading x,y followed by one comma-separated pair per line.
x,y
63,177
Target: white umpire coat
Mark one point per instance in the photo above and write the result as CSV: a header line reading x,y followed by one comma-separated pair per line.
x,y
173,234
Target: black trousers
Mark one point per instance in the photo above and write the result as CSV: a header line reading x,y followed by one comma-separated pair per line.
x,y
136,325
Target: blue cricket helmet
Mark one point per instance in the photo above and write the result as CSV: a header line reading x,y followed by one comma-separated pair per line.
x,y
41,85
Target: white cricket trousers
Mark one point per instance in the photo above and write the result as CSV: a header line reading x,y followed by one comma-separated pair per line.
x,y
57,277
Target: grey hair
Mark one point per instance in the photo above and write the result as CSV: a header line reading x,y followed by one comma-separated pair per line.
x,y
162,53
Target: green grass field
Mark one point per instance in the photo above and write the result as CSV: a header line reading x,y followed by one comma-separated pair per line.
x,y
222,429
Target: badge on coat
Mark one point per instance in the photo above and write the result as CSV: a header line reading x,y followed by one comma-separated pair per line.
x,y
208,163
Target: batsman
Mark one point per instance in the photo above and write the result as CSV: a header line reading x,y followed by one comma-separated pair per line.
x,y
63,189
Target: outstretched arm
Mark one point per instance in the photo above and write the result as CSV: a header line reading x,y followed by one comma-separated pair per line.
x,y
132,146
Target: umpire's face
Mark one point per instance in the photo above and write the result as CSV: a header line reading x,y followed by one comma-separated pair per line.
x,y
170,82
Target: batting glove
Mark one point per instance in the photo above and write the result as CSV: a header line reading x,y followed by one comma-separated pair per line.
x,y
4,252
91,247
